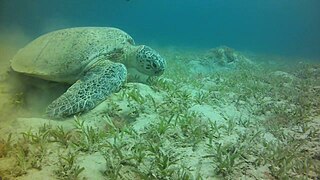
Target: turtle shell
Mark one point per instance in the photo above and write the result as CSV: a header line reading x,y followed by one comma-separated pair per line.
x,y
63,55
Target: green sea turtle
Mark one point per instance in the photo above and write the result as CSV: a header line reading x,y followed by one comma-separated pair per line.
x,y
93,59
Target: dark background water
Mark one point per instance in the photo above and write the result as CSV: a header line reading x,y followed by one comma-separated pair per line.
x,y
284,27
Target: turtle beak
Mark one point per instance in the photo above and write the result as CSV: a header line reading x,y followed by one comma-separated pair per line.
x,y
159,72
158,66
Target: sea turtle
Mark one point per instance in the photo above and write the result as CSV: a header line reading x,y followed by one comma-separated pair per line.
x,y
93,59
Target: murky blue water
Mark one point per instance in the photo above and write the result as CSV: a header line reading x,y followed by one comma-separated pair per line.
x,y
284,27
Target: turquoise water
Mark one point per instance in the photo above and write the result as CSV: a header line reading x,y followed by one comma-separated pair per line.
x,y
285,27
239,97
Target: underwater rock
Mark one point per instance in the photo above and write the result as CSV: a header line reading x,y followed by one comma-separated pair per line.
x,y
284,75
198,67
132,104
224,56
219,59
208,113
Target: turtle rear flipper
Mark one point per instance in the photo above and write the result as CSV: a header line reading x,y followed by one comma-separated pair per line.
x,y
102,79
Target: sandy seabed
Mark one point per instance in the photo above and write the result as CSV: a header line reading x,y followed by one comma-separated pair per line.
x,y
215,114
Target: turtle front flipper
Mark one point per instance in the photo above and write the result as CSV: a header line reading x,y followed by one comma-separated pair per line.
x,y
98,82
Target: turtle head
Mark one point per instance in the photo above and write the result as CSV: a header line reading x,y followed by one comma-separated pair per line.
x,y
149,62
